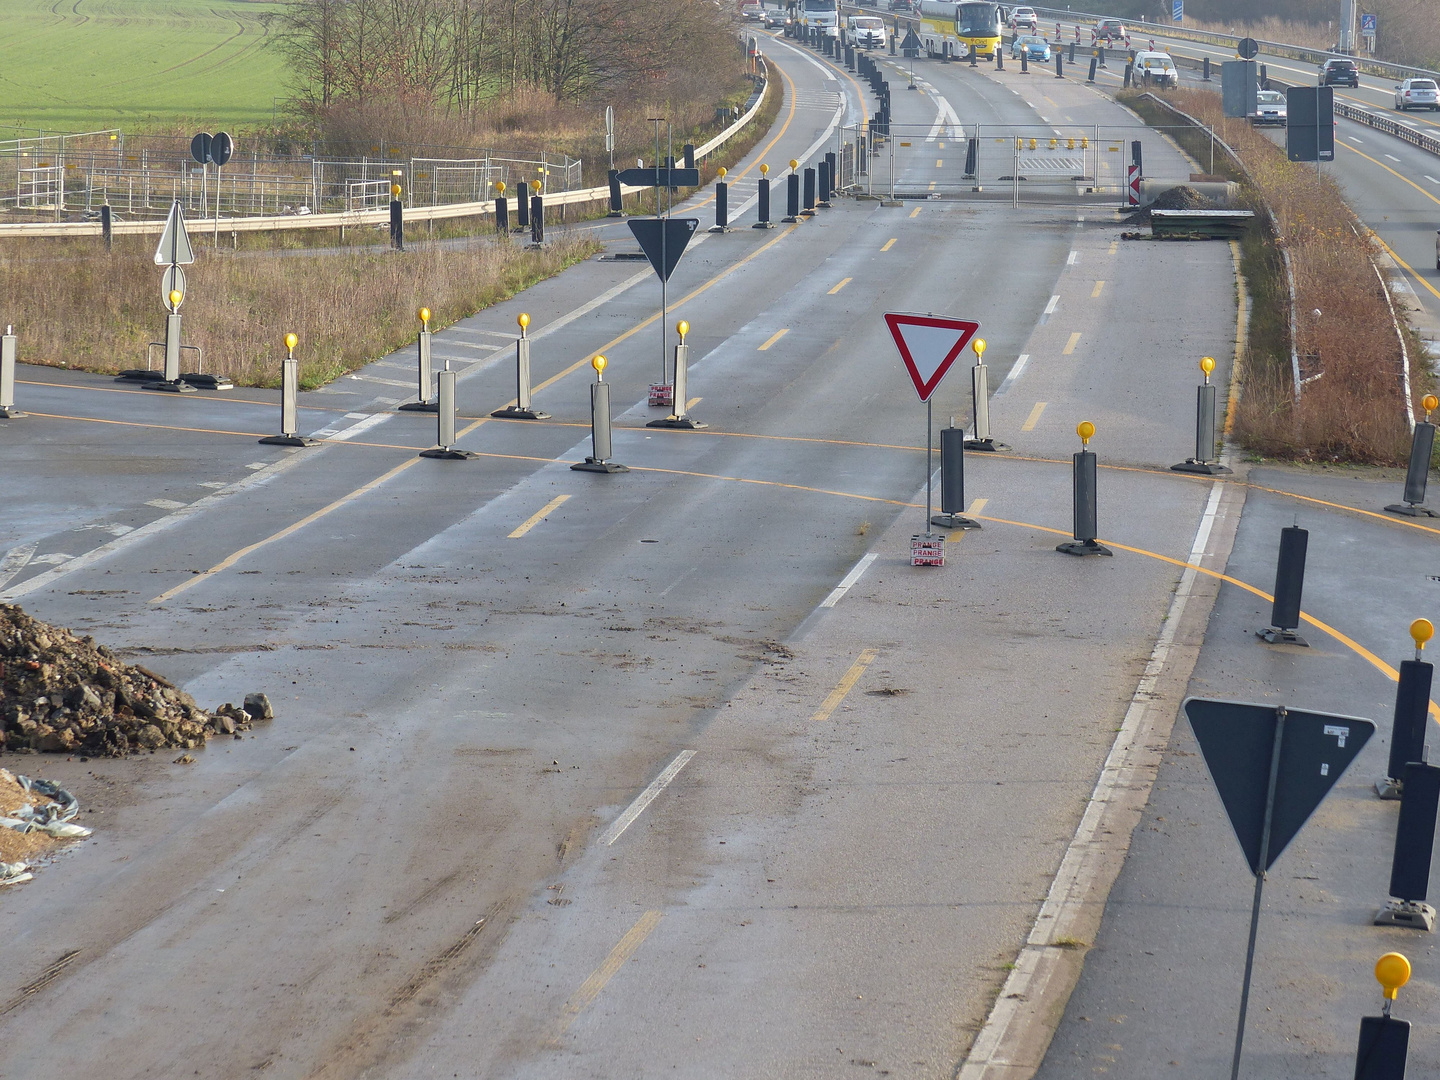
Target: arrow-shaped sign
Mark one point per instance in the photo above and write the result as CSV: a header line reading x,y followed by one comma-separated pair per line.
x,y
174,249
929,344
663,240
662,177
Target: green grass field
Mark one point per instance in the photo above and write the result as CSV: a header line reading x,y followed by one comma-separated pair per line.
x,y
84,65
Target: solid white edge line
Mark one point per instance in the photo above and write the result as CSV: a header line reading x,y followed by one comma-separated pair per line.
x,y
645,798
1014,373
1050,307
848,580
1084,858
373,420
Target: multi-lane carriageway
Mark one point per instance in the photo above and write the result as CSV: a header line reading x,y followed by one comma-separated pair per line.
x,y
680,772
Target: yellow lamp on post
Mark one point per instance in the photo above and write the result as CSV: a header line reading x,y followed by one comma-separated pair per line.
x,y
1207,365
724,172
978,346
1429,403
425,318
682,328
1421,631
535,186
290,342
1086,430
1392,971
175,297
794,164
395,191
523,319
598,363
764,170
500,186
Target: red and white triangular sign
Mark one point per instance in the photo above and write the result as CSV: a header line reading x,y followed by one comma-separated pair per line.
x,y
929,344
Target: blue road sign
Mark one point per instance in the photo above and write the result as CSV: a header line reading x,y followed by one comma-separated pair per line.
x,y
1179,8
1369,24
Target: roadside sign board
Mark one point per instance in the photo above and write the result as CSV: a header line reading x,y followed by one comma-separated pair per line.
x,y
1238,740
221,147
1369,25
661,177
200,148
174,248
1310,130
1178,10
1239,88
663,240
1247,48
929,344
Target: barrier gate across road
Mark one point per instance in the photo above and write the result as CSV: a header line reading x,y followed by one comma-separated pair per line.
x,y
1034,163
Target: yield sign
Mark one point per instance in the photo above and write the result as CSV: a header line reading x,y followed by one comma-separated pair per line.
x,y
663,240
174,249
1240,746
929,344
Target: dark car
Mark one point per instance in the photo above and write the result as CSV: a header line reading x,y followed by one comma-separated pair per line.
x,y
1340,72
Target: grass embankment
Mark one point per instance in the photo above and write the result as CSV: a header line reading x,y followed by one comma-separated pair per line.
x,y
1354,411
72,305
136,64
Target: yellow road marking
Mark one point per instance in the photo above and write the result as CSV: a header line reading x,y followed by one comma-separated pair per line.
x,y
915,212
932,186
1391,171
537,517
1114,246
1095,292
776,336
692,403
1406,266
888,244
939,162
591,987
1034,417
844,686
1070,345
977,506
837,288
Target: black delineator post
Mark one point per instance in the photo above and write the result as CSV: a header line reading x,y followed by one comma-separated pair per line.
x,y
502,215
688,153
106,229
1072,52
792,198
1083,476
1205,69
827,193
1129,73
1412,709
999,58
600,438
1024,61
822,180
952,480
522,207
1264,78
974,58
537,220
722,205
1091,77
1422,443
1059,65
1137,156
1289,584
617,209
763,207
397,225
809,210
1101,53
1414,845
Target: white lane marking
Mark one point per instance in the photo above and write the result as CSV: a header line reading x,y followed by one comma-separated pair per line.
x,y
356,416
1392,157
256,466
1353,139
947,122
165,504
55,558
1431,179
382,382
1073,258
1125,772
213,485
15,560
1050,307
646,797
1015,370
848,580
363,426
476,345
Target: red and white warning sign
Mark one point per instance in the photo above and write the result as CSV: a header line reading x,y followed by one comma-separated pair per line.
x,y
929,344
1133,194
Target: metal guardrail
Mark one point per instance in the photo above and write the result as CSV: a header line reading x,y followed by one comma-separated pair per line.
x,y
1274,48
355,218
1404,132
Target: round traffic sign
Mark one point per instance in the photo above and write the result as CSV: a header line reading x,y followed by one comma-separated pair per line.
x,y
172,281
221,147
200,148
1248,48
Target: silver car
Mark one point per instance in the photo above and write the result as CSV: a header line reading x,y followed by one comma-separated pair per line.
x,y
1417,94
1270,108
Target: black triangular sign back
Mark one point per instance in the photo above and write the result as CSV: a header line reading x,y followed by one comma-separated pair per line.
x,y
1237,739
663,240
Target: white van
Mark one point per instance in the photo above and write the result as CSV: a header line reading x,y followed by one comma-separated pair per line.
x,y
866,31
1160,67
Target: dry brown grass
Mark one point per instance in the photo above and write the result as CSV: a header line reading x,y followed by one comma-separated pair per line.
x,y
1354,411
74,306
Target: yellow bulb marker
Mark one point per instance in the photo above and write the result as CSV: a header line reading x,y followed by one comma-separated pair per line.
x,y
394,191
424,314
888,244
776,336
1392,971
1207,365
682,328
500,186
1429,403
837,288
175,297
535,186
537,517
978,345
1421,630
290,342
794,164
764,170
1086,431
598,363
1070,345
1034,417
724,172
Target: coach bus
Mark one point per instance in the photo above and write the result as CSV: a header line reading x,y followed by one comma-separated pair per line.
x,y
976,24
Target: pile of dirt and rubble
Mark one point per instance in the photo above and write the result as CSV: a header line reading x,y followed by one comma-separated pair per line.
x,y
1176,198
65,694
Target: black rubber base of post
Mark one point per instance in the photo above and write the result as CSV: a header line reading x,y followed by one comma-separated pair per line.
x,y
826,205
678,423
789,220
10,414
1276,636
1389,789
419,406
763,225
989,446
201,381
616,213
514,412
288,440
1411,510
1411,915
1202,468
1083,547
718,228
136,375
590,464
954,521
176,387
448,453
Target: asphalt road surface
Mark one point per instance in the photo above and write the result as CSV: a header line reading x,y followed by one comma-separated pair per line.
x,y
630,775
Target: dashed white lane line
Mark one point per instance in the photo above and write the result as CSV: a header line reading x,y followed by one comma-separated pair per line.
x,y
1072,259
1050,307
1431,179
1393,158
1015,370
645,798
360,428
849,580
